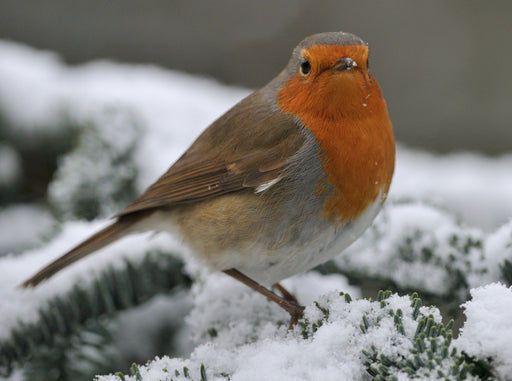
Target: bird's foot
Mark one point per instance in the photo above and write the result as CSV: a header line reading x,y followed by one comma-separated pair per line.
x,y
288,302
287,295
295,314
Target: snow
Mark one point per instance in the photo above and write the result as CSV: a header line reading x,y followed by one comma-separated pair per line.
x,y
13,236
230,328
475,187
487,331
98,168
333,351
18,304
163,311
499,248
437,248
37,91
34,77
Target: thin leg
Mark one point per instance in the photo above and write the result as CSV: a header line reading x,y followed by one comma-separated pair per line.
x,y
286,294
294,309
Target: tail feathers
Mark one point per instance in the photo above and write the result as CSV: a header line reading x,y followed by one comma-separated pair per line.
x,y
97,241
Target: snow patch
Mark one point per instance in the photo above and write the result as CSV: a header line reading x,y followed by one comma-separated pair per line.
x,y
487,331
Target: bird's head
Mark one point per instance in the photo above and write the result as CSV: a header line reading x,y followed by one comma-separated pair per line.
x,y
328,76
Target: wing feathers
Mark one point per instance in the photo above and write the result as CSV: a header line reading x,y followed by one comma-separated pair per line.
x,y
209,181
247,147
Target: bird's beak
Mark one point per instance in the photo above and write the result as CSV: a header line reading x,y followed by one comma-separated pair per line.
x,y
344,63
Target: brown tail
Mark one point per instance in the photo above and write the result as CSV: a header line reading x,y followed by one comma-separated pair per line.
x,y
97,241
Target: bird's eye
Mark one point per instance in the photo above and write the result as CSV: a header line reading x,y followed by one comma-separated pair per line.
x,y
367,63
305,66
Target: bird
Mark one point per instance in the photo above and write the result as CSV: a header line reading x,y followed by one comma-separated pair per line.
x,y
282,182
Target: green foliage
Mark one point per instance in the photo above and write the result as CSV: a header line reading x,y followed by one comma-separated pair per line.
x,y
182,374
46,340
10,172
506,272
426,352
96,178
38,149
506,266
87,162
431,354
77,357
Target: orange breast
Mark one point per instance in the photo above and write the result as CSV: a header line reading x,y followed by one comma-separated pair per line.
x,y
359,162
348,117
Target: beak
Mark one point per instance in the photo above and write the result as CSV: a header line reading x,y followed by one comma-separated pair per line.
x,y
345,63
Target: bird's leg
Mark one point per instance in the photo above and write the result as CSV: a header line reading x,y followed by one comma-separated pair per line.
x,y
292,307
286,294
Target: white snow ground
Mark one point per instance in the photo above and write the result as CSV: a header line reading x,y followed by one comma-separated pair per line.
x,y
37,91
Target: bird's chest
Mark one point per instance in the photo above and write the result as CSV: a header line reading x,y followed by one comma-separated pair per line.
x,y
358,163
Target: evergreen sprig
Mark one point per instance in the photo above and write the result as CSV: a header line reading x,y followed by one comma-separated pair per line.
x,y
79,358
97,176
432,352
506,272
183,373
418,346
113,290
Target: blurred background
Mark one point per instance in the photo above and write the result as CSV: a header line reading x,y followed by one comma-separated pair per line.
x,y
444,66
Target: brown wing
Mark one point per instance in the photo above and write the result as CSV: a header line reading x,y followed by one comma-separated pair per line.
x,y
247,147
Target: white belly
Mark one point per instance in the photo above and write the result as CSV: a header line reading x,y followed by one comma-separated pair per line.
x,y
271,266
316,242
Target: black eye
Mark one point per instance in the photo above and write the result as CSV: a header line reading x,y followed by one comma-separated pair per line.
x,y
367,63
305,66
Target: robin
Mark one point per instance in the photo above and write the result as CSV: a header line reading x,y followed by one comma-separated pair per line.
x,y
282,182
